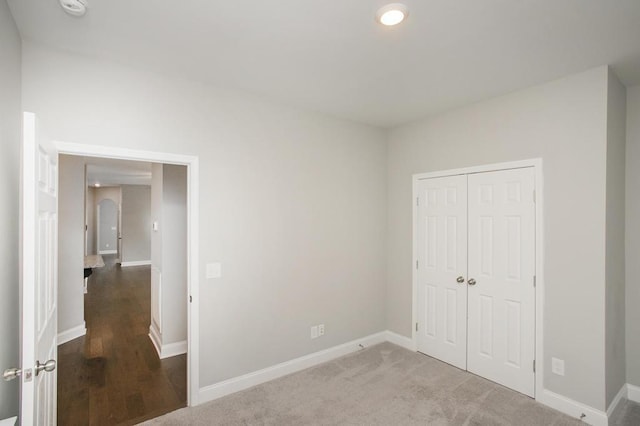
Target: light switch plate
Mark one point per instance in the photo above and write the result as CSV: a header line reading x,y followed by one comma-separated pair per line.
x,y
557,366
155,225
214,270
314,332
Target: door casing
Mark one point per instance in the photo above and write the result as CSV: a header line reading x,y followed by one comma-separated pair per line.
x,y
192,164
536,163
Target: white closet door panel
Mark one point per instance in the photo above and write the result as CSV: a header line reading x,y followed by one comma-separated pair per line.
x,y
442,257
501,306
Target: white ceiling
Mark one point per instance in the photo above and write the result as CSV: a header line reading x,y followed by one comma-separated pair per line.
x,y
109,172
330,56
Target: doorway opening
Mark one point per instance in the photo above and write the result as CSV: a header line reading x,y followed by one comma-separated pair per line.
x,y
125,320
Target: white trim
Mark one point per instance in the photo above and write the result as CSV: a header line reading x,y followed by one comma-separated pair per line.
x,y
622,393
169,349
403,341
226,387
537,165
540,277
107,251
135,263
193,314
154,335
573,408
173,349
633,393
9,422
72,333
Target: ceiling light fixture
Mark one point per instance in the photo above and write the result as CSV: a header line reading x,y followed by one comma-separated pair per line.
x,y
74,7
97,185
392,14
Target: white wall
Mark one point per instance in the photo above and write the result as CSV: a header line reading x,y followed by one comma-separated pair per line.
x,y
136,223
292,203
633,236
90,219
108,192
615,226
10,137
174,253
70,243
563,122
155,327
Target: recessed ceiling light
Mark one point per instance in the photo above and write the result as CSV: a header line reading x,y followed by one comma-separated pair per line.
x,y
97,185
74,7
392,14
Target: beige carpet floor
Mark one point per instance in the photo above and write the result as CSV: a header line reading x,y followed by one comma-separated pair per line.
x,y
381,385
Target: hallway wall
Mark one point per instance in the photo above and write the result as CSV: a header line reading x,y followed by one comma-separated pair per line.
x,y
632,296
10,140
136,223
70,244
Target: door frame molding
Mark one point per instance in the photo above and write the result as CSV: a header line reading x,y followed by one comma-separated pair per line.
x,y
193,286
536,163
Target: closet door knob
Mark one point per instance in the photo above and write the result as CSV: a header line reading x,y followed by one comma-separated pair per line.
x,y
472,281
460,279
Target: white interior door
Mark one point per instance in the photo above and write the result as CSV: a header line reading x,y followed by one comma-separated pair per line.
x,y
501,329
442,267
39,260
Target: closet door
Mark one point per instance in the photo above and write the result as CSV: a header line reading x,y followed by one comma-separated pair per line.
x,y
442,265
501,328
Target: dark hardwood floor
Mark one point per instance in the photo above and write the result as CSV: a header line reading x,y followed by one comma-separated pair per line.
x,y
113,374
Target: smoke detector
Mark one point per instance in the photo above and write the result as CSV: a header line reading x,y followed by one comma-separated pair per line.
x,y
74,7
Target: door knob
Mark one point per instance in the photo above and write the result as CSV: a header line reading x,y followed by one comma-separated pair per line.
x,y
11,373
47,366
472,281
460,279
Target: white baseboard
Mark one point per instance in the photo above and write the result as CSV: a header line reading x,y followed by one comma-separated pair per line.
x,y
173,349
154,335
166,350
135,263
622,393
226,387
633,393
573,408
72,333
400,340
107,251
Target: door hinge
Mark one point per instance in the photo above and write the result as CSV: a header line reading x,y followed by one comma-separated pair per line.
x,y
416,264
190,299
534,365
416,326
418,201
534,195
534,280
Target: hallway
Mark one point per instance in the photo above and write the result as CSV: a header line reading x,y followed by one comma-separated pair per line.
x,y
113,374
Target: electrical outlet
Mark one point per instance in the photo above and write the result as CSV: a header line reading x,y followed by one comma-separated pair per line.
x,y
321,330
314,332
557,366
